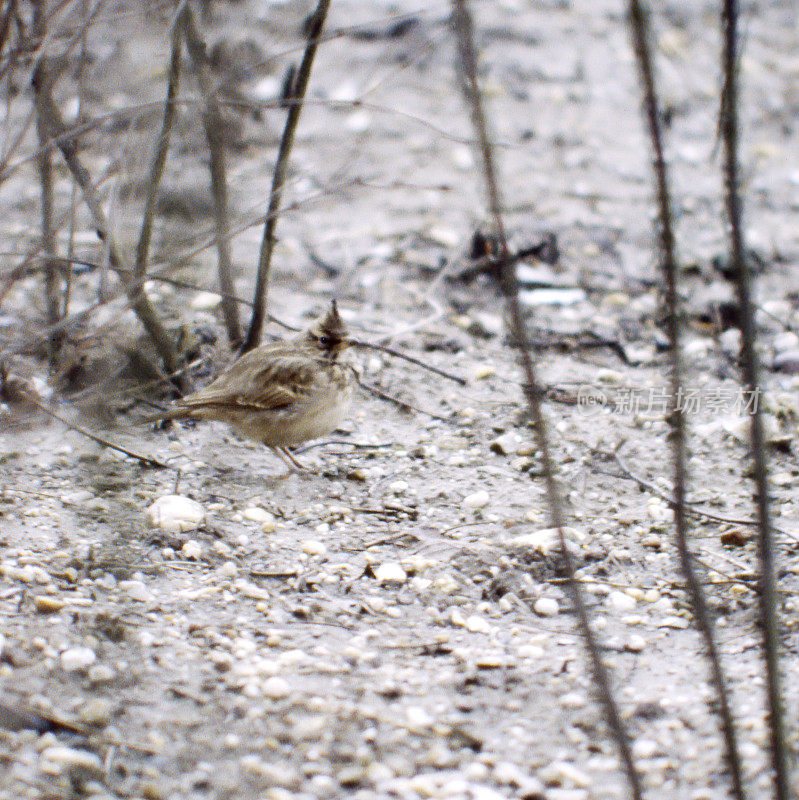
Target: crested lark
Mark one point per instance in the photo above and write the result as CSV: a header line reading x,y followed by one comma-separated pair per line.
x,y
280,394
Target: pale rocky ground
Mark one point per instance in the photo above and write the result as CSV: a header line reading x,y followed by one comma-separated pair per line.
x,y
392,626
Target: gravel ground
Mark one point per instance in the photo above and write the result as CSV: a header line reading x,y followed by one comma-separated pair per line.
x,y
394,624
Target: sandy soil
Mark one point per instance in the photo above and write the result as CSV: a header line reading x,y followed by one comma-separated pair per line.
x,y
394,624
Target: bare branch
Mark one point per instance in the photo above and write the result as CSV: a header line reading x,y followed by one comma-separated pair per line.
x,y
751,375
465,34
138,300
317,21
214,132
45,168
676,418
159,158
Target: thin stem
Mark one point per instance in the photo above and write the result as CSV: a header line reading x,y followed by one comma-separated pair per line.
x,y
509,285
214,133
138,300
317,21
676,418
751,375
44,163
159,158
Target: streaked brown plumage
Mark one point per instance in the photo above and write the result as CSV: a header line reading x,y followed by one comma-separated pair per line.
x,y
280,394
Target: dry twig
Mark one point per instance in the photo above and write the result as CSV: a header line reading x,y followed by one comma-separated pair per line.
x,y
316,23
159,157
138,300
468,71
44,78
751,375
676,416
214,133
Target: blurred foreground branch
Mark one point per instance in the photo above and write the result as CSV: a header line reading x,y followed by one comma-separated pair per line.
x,y
751,375
468,70
676,417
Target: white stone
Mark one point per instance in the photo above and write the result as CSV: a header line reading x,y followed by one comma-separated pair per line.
x,y
506,443
547,540
477,624
77,658
101,673
257,514
477,500
531,651
456,616
574,700
175,514
276,688
418,718
446,584
76,498
227,570
390,572
546,607
205,301
636,643
564,772
191,549
251,590
58,759
136,590
674,622
313,547
645,748
620,601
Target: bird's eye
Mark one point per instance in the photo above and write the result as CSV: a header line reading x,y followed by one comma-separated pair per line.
x,y
325,341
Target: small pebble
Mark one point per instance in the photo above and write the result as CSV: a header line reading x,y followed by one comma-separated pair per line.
x,y
574,700
547,540
635,643
57,759
620,601
477,624
477,500
546,607
77,658
101,673
191,549
418,718
645,748
276,688
560,772
456,617
76,498
260,515
136,590
206,301
176,514
674,622
390,572
96,711
48,605
399,487
446,584
251,590
482,372
313,547
531,651
506,444
227,570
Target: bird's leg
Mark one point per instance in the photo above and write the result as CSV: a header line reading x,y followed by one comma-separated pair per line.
x,y
290,458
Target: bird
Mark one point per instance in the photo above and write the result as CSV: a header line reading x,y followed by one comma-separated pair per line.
x,y
280,394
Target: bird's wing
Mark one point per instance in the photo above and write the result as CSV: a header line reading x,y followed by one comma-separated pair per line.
x,y
258,382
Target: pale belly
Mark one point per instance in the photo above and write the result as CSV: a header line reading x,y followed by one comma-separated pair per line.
x,y
290,426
